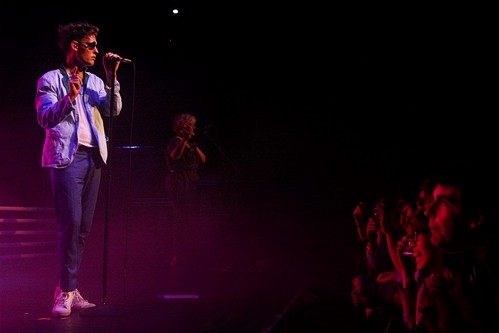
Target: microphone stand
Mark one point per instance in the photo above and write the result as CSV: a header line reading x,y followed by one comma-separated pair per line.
x,y
105,311
231,163
224,155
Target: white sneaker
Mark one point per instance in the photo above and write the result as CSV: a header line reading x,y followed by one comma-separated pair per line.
x,y
63,304
81,303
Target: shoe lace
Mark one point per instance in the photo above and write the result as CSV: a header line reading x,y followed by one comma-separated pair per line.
x,y
61,300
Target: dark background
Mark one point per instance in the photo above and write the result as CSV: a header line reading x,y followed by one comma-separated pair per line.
x,y
303,110
323,103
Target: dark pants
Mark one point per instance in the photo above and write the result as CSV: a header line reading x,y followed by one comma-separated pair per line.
x,y
184,212
75,190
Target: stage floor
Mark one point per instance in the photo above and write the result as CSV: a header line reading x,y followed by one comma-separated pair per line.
x,y
248,269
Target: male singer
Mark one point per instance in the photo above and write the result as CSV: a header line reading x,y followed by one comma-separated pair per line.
x,y
70,104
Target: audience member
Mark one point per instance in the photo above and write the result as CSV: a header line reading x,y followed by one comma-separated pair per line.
x,y
462,220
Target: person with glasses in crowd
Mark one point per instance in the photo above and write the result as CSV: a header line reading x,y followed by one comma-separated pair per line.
x,y
70,104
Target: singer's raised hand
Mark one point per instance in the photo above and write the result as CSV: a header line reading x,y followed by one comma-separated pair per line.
x,y
74,83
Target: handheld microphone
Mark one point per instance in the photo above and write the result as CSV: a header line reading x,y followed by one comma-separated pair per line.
x,y
120,59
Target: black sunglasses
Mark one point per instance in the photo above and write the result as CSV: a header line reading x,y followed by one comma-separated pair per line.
x,y
89,46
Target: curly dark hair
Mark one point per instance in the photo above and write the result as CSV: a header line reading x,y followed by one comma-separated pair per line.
x,y
74,31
